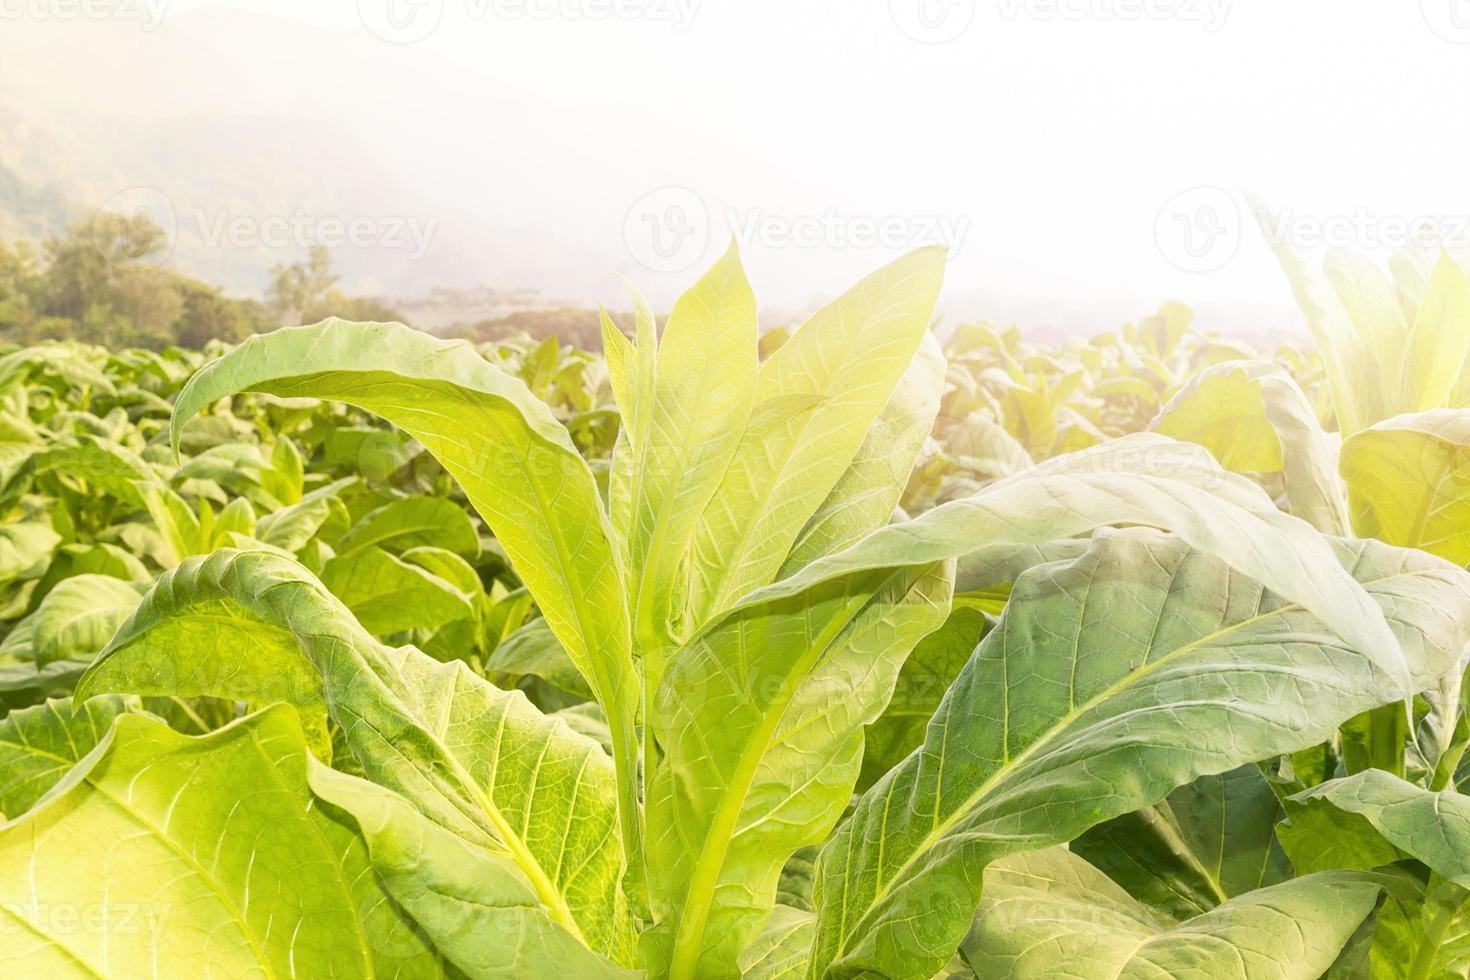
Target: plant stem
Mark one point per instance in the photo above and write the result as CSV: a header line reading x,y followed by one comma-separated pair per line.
x,y
1433,938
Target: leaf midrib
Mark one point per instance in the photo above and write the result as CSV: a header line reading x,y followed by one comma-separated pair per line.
x,y
1063,723
727,813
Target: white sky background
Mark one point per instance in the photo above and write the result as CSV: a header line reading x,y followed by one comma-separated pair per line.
x,y
1052,139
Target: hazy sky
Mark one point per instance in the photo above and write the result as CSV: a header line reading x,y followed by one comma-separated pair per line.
x,y
1081,155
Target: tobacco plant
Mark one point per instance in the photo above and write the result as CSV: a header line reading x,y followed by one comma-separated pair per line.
x,y
1113,714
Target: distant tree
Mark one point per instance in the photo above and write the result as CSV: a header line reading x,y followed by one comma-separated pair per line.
x,y
305,292
103,265
101,283
338,303
20,283
210,315
300,286
578,327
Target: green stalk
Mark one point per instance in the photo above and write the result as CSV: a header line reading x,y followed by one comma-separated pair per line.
x,y
1433,938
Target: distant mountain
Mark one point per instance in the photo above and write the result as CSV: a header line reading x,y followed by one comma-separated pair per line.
x,y
243,194
244,191
28,211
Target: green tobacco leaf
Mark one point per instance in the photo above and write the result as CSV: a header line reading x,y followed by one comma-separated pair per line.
x,y
703,389
533,650
926,675
470,900
174,520
1253,417
1432,364
515,462
1049,913
22,685
815,400
24,550
1408,482
467,756
1374,819
79,616
38,745
164,855
760,722
318,512
1205,843
632,371
92,559
412,523
101,465
795,888
782,949
865,495
1111,680
1136,480
1379,815
390,595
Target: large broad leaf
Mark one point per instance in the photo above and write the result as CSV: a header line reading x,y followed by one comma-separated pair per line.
x,y
469,899
815,400
24,550
926,675
703,389
534,651
38,745
1111,680
516,463
1254,418
760,722
865,496
79,616
390,595
1408,481
1203,844
1390,347
1373,819
1050,913
96,466
781,950
480,764
163,855
320,511
742,682
411,523
1146,480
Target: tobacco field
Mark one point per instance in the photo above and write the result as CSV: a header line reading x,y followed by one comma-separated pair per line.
x,y
856,649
